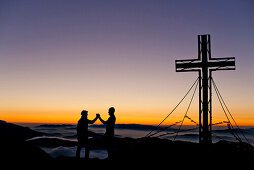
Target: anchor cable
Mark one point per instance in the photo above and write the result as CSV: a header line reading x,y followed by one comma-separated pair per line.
x,y
186,111
219,98
173,109
223,102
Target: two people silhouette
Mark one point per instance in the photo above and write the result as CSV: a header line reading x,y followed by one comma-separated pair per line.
x,y
82,132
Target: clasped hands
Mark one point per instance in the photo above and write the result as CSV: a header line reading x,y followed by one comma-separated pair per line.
x,y
98,115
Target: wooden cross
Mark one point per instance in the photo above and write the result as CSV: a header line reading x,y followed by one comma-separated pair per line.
x,y
204,65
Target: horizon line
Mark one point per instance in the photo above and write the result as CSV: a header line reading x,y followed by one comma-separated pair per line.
x,y
117,124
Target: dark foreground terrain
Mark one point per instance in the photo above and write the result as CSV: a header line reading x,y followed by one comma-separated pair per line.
x,y
15,149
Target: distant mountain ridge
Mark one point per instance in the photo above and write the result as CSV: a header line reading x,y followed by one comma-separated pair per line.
x,y
10,130
13,145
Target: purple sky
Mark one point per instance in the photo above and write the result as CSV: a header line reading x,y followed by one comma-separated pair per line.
x,y
69,54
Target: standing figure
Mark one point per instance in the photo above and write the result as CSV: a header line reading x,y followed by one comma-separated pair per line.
x,y
82,133
110,132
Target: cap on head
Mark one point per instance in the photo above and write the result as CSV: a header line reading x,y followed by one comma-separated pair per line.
x,y
84,112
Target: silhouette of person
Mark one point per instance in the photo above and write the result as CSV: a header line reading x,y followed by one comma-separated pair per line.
x,y
110,132
82,133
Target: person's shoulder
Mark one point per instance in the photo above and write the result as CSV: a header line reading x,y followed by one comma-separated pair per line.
x,y
82,120
113,117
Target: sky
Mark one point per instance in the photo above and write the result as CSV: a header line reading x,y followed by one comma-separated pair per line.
x,y
58,57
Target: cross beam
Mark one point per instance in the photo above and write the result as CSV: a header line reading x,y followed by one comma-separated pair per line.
x,y
204,65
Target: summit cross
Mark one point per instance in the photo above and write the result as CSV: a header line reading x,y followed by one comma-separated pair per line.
x,y
204,65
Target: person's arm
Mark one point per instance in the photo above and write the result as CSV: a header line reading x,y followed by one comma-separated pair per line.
x,y
92,121
102,121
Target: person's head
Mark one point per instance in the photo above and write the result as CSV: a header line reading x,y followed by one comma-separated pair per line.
x,y
84,113
111,111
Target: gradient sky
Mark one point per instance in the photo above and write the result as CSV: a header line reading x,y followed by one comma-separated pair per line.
x,y
58,57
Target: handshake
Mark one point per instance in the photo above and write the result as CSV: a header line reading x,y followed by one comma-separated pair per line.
x,y
98,115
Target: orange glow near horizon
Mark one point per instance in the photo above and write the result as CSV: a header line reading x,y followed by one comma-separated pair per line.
x,y
71,117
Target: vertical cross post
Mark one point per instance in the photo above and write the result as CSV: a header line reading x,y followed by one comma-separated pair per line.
x,y
205,132
204,65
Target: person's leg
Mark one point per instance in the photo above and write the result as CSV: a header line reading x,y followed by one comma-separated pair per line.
x,y
87,148
109,143
78,151
109,153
